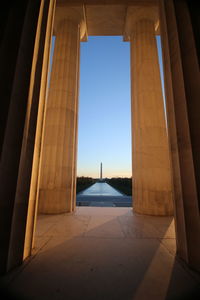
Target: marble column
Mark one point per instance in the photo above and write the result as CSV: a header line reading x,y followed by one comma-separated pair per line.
x,y
76,140
59,145
182,75
152,190
42,67
24,33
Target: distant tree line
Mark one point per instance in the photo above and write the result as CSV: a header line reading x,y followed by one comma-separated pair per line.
x,y
123,185
83,183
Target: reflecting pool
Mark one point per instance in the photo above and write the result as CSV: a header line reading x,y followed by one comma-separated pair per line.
x,y
100,189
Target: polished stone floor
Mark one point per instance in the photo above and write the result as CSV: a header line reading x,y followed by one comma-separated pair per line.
x,y
103,253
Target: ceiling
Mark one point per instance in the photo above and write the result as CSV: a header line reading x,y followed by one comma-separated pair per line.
x,y
108,17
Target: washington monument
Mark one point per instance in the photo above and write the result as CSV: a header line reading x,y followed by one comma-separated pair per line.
x,y
101,171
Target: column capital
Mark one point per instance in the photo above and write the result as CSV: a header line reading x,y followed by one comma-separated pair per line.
x,y
75,14
137,13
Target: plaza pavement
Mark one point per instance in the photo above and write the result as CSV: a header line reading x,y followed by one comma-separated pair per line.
x,y
101,253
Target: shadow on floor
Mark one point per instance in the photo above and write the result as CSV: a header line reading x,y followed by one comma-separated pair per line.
x,y
103,253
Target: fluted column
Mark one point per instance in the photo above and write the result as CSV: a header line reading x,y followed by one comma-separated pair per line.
x,y
182,74
76,140
59,146
152,191
26,31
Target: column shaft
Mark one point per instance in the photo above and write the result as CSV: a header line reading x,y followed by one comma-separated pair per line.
x,y
21,91
76,133
182,93
42,67
59,146
152,192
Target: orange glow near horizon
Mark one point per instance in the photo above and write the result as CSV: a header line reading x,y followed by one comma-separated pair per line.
x,y
105,174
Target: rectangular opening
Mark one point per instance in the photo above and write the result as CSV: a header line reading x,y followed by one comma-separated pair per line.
x,y
104,123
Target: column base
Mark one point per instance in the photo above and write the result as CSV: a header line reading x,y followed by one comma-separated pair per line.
x,y
154,203
54,201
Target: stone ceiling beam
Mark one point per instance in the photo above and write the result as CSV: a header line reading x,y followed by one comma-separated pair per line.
x,y
106,18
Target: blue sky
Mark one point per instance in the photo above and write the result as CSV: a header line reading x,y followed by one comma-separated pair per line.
x,y
104,108
104,133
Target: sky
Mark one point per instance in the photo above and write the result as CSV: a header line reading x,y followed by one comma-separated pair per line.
x,y
104,132
104,126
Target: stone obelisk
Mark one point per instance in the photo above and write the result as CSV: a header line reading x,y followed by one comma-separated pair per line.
x,y
101,171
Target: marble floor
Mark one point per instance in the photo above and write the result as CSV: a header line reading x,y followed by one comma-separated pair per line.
x,y
102,253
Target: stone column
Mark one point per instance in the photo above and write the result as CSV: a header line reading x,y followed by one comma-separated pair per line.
x,y
59,146
182,93
24,33
152,191
39,91
76,140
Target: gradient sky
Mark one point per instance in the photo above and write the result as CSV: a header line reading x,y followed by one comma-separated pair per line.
x,y
104,133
